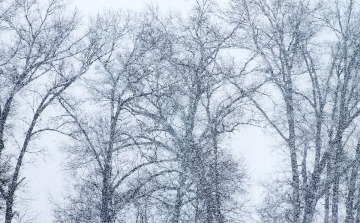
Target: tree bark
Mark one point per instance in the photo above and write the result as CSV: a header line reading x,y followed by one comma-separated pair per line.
x,y
179,199
350,200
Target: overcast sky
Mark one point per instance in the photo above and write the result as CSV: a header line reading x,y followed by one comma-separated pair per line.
x,y
46,177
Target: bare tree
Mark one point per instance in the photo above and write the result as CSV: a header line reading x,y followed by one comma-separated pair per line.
x,y
116,164
189,116
41,57
341,18
279,31
314,84
176,113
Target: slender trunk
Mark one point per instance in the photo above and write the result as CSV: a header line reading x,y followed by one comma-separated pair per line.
x,y
350,207
106,198
218,215
9,199
335,198
105,213
214,169
336,163
343,114
311,191
327,206
4,115
293,156
209,205
196,205
179,199
336,183
9,209
15,177
311,199
327,192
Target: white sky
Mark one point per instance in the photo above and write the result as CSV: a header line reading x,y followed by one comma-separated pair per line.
x,y
46,177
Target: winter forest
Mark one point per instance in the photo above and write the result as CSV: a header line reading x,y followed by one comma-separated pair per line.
x,y
143,105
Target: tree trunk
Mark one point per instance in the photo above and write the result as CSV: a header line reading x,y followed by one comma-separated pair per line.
x,y
350,207
336,177
327,192
105,215
179,201
9,209
292,147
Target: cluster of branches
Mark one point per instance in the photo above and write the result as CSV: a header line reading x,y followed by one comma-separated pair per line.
x,y
42,53
146,102
147,141
151,148
309,57
143,100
